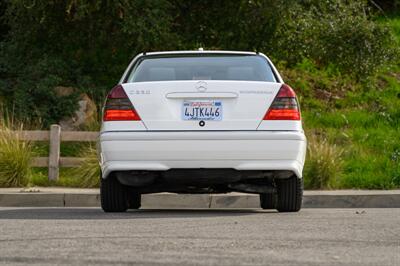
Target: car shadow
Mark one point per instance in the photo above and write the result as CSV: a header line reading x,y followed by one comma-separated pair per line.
x,y
98,214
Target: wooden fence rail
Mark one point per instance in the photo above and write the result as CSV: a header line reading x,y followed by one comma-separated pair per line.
x,y
55,136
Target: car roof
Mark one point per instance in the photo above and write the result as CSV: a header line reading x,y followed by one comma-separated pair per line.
x,y
199,52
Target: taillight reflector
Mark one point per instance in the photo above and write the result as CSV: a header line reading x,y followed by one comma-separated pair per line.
x,y
120,115
284,114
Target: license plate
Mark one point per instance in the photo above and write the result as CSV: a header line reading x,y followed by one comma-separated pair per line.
x,y
202,110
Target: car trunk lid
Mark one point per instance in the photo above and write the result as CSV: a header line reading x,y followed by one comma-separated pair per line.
x,y
221,105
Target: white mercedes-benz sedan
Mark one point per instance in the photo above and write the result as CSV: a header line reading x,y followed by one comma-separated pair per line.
x,y
201,122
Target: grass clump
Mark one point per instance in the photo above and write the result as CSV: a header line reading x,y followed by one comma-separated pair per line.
x,y
323,165
88,173
15,159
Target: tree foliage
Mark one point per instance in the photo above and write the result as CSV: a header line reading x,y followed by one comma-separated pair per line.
x,y
87,44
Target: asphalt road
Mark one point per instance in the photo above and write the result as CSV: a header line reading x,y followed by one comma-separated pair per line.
x,y
200,237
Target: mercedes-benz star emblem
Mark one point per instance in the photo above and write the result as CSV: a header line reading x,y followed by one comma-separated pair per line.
x,y
201,86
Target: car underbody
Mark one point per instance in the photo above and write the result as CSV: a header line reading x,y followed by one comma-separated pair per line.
x,y
201,180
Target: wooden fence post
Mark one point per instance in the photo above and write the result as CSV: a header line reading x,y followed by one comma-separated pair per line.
x,y
54,152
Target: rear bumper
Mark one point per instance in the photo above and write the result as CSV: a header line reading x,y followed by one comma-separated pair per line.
x,y
240,150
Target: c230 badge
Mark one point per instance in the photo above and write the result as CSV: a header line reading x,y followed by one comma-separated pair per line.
x,y
140,92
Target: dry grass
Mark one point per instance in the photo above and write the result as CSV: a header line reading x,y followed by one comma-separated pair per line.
x,y
15,158
324,164
89,171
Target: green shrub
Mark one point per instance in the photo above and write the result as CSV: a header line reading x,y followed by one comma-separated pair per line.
x,y
80,44
15,159
87,44
337,33
323,165
88,173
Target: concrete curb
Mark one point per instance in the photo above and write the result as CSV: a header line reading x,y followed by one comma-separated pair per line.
x,y
64,197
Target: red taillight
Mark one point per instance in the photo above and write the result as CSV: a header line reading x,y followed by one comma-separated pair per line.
x,y
284,106
274,114
286,92
117,93
120,115
118,107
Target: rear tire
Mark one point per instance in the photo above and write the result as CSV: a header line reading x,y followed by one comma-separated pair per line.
x,y
268,201
134,200
290,194
113,195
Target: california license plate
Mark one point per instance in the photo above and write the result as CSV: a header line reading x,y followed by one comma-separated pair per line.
x,y
202,110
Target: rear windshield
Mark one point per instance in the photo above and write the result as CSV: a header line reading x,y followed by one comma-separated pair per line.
x,y
204,67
